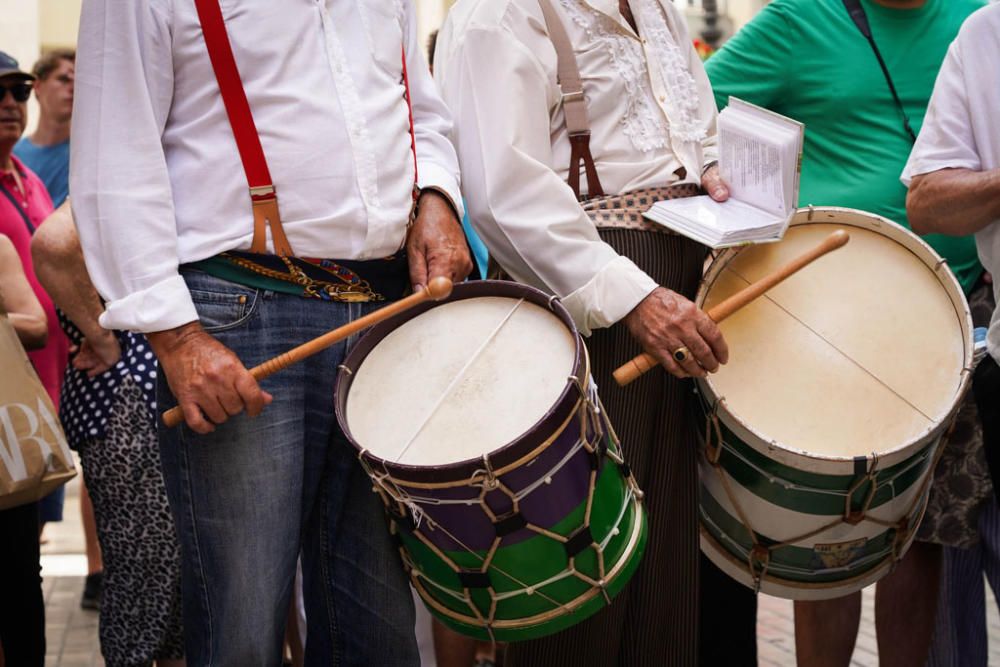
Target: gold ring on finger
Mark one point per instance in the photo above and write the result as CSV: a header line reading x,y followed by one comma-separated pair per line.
x,y
681,354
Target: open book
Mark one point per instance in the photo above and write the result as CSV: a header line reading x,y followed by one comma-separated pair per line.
x,y
760,154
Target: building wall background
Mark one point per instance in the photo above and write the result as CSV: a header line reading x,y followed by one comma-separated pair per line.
x,y
60,20
32,27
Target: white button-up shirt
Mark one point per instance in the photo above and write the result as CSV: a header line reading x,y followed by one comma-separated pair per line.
x,y
651,113
156,178
962,127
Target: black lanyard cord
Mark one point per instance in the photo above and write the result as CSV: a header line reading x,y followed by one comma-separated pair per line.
x,y
860,19
17,207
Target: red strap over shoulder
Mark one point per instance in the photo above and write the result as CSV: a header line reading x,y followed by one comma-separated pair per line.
x,y
262,194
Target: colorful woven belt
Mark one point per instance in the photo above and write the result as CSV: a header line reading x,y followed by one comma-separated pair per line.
x,y
347,281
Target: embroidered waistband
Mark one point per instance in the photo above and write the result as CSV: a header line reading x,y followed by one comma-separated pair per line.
x,y
624,211
346,281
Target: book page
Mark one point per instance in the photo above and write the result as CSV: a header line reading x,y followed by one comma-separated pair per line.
x,y
751,162
759,156
724,218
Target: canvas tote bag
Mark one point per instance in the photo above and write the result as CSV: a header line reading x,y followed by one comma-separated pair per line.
x,y
34,456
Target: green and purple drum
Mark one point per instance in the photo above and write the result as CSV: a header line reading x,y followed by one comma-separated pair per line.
x,y
478,422
822,431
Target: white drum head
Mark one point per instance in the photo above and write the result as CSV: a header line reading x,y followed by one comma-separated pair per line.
x,y
460,380
860,352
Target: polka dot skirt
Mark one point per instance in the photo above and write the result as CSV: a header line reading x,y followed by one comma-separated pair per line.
x,y
85,403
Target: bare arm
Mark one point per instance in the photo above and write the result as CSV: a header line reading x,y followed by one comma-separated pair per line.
x,y
19,300
957,202
55,249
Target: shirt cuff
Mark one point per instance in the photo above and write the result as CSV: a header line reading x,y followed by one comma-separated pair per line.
x,y
709,154
165,305
435,177
609,296
920,167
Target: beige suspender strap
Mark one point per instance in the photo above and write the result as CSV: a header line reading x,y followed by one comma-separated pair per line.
x,y
574,104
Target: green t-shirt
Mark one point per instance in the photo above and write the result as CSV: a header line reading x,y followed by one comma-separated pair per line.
x,y
807,60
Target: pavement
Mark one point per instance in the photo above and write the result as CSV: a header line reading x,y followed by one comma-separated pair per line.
x,y
72,632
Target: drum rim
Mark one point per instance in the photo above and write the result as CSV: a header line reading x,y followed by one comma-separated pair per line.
x,y
929,257
511,454
787,589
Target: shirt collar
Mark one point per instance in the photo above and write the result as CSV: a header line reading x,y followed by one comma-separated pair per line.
x,y
610,9
19,166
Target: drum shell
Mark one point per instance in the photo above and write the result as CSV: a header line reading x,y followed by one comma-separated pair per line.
x,y
786,492
431,526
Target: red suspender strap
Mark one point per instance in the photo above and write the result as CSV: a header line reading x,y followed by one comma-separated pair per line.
x,y
262,194
413,134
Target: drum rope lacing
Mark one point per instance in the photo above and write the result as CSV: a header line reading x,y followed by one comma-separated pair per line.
x,y
591,420
532,589
759,555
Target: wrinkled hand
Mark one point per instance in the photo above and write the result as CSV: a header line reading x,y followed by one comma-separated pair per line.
x,y
712,181
209,381
665,321
436,245
96,355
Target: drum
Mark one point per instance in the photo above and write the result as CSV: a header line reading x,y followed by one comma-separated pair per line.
x,y
822,431
476,418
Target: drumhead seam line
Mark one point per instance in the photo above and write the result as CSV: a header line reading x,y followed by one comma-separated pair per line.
x,y
844,354
458,376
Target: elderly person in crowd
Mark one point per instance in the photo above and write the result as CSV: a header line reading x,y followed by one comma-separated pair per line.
x,y
22,611
558,203
109,416
229,232
954,179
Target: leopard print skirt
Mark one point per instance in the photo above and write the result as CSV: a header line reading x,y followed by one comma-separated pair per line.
x,y
141,603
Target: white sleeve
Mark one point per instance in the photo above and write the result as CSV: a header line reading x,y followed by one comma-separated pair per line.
x,y
527,216
121,198
437,164
946,139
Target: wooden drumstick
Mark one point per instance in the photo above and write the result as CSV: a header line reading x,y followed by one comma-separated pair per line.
x,y
631,370
437,289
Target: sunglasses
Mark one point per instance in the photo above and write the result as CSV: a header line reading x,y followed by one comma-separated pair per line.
x,y
20,91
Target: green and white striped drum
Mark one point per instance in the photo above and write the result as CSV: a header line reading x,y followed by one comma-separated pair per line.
x,y
822,431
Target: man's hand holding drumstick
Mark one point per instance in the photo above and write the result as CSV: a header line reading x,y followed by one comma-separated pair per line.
x,y
635,367
436,245
211,384
671,328
665,322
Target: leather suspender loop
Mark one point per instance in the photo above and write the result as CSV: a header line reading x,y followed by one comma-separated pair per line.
x,y
264,199
574,105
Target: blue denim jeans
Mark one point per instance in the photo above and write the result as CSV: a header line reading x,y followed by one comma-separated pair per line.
x,y
249,496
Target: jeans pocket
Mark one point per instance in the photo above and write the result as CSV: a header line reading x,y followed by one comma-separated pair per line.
x,y
224,307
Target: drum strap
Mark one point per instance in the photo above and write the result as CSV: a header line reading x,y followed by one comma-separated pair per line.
x,y
574,105
860,19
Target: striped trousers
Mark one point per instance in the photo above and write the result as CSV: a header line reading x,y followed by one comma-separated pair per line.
x,y
654,620
960,638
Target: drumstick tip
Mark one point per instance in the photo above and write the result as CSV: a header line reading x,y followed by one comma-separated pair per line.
x,y
840,238
439,288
